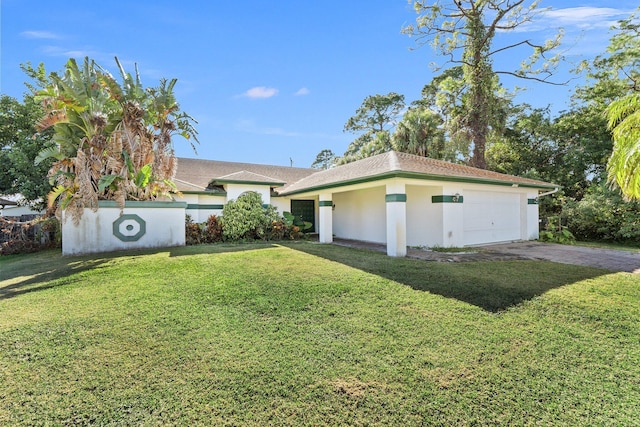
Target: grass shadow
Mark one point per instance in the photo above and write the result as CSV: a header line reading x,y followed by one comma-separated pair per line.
x,y
25,273
21,274
491,285
218,248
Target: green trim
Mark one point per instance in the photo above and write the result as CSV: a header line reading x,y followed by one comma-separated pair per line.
x,y
197,206
532,201
129,217
419,176
206,192
141,205
447,199
395,198
325,203
237,181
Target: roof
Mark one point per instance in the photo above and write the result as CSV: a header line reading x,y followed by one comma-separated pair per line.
x,y
246,177
395,164
5,202
197,174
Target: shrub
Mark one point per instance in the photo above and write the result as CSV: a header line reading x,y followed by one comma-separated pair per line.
x,y
246,218
603,214
193,231
212,232
555,232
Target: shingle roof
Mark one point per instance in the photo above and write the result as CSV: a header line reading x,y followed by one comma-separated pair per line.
x,y
249,177
5,202
196,174
406,165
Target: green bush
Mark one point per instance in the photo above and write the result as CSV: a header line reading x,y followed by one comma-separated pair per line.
x,y
603,214
555,232
247,219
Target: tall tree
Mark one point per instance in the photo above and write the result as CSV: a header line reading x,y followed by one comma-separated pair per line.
x,y
113,139
420,132
20,143
324,160
373,120
463,31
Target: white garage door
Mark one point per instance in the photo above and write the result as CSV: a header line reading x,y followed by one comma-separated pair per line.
x,y
491,217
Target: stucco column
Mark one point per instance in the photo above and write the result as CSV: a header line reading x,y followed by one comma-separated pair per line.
x,y
531,212
325,220
452,200
396,200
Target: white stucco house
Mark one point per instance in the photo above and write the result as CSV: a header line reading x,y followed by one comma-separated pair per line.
x,y
11,206
393,198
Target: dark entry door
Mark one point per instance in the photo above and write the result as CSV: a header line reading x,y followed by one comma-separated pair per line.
x,y
305,209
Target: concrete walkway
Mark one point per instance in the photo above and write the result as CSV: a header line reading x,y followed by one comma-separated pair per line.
x,y
609,259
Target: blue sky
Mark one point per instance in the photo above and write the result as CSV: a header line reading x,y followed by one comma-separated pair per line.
x,y
270,82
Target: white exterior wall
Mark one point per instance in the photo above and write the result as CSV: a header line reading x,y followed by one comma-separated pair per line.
x,y
282,204
235,190
142,225
452,217
201,206
532,219
424,218
361,215
19,211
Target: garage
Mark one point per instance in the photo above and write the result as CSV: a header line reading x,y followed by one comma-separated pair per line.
x,y
491,217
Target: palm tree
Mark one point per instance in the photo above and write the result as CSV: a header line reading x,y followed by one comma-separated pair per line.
x,y
420,133
113,140
624,163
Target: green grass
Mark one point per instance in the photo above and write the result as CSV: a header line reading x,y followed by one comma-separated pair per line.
x,y
629,247
309,334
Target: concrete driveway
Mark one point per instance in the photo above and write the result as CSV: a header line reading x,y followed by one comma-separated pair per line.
x,y
609,259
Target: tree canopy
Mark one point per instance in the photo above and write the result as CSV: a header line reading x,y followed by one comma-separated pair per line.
x,y
373,120
463,32
20,143
623,66
113,139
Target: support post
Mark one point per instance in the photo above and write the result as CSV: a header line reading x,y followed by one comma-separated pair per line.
x,y
396,201
325,223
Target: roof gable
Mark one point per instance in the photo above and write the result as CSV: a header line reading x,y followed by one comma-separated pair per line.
x,y
194,175
246,177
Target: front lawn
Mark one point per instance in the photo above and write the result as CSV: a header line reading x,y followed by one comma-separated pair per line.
x,y
310,334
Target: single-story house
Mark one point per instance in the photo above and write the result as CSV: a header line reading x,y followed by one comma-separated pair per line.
x,y
394,198
11,208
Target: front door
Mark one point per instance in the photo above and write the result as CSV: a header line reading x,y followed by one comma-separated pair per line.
x,y
305,210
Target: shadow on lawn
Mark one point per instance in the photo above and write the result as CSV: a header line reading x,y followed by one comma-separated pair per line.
x,y
49,269
37,272
491,285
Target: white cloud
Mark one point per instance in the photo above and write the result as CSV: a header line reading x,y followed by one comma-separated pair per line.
x,y
575,18
585,17
302,91
68,53
260,92
40,35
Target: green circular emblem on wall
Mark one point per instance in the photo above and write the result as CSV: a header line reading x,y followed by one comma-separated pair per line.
x,y
129,228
